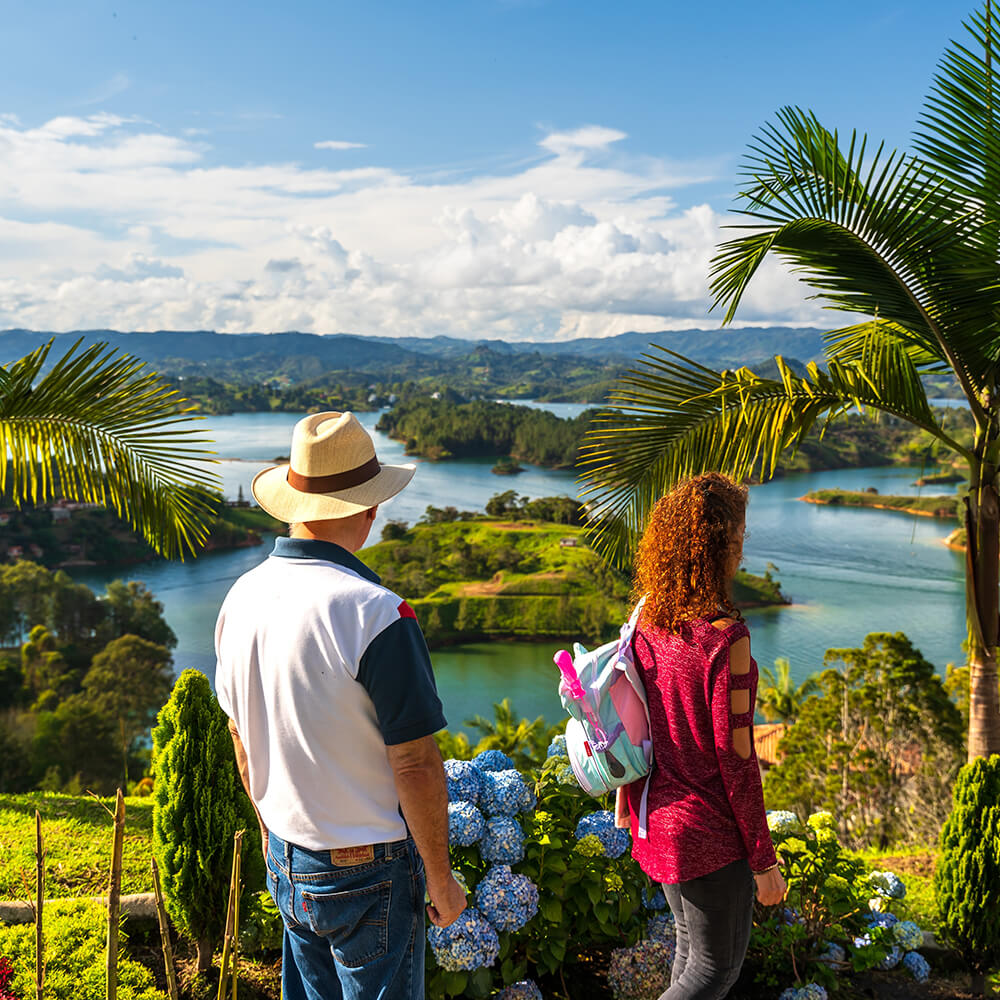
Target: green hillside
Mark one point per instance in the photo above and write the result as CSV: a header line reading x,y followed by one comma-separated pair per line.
x,y
514,579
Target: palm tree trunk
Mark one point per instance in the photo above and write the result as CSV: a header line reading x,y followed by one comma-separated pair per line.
x,y
983,611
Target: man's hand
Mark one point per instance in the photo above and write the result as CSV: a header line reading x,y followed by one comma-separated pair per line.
x,y
447,902
771,887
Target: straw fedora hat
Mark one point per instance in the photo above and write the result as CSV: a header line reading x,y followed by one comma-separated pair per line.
x,y
332,472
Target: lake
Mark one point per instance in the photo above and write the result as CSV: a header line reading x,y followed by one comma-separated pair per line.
x,y
849,572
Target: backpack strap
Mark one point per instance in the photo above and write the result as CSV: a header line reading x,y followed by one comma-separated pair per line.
x,y
628,629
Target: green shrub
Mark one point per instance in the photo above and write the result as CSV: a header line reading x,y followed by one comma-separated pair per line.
x,y
75,933
198,804
967,880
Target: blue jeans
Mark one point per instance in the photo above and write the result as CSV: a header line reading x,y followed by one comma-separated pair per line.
x,y
713,916
352,932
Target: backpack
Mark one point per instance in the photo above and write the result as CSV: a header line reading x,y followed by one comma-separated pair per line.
x,y
607,738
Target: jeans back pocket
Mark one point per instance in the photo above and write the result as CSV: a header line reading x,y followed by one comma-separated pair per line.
x,y
355,922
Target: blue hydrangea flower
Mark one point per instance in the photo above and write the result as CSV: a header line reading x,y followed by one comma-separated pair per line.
x,y
465,824
832,955
908,934
881,919
916,965
464,780
811,991
864,941
506,900
602,825
503,841
493,760
892,959
469,943
791,916
661,927
504,793
654,900
557,748
526,989
887,884
781,821
639,972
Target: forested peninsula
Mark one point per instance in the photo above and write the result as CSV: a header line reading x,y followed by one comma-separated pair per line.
x,y
452,427
443,428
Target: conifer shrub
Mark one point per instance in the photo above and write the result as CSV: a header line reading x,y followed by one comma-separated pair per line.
x,y
967,880
198,804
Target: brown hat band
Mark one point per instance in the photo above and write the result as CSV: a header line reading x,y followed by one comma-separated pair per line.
x,y
336,480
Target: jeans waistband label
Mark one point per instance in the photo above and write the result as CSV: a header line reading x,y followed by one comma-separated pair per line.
x,y
347,857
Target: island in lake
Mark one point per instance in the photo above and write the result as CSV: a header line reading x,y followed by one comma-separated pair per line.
x,y
494,578
936,506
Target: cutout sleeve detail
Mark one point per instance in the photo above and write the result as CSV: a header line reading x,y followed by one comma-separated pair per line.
x,y
733,670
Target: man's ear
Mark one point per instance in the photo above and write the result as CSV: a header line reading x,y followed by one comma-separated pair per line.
x,y
372,512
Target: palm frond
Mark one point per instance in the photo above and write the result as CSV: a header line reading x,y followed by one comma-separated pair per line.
x,y
959,130
676,418
98,428
875,236
851,343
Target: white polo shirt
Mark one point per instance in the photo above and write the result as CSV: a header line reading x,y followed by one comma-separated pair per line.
x,y
321,667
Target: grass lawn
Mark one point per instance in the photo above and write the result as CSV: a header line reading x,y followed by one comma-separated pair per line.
x,y
77,840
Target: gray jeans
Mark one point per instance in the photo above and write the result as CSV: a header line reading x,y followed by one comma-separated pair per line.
x,y
713,915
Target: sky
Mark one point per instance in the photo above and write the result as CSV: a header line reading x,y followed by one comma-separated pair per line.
x,y
521,169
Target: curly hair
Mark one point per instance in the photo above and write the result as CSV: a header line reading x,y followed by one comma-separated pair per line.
x,y
684,561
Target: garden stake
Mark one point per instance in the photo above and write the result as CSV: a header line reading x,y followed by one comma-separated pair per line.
x,y
114,897
161,916
39,899
232,910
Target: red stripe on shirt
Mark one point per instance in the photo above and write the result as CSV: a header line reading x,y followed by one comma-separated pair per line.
x,y
405,611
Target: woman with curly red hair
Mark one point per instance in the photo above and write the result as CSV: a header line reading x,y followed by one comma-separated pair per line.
x,y
708,841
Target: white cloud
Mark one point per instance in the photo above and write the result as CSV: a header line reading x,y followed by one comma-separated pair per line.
x,y
108,222
339,144
104,91
588,138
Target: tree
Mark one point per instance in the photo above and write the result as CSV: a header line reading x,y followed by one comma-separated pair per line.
x,y
967,878
777,695
76,740
132,609
911,241
129,680
879,736
98,428
525,742
198,804
44,668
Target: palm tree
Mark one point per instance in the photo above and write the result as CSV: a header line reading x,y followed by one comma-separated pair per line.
x,y
97,428
778,696
909,241
520,739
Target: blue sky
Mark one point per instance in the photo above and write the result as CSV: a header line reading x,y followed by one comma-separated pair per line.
x,y
514,168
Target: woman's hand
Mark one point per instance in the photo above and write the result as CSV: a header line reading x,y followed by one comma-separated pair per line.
x,y
771,887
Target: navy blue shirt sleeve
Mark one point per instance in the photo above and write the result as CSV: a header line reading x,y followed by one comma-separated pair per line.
x,y
396,672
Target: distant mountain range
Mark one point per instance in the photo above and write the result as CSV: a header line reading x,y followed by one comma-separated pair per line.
x,y
177,351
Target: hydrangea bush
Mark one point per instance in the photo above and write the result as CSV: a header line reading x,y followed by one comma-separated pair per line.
x,y
837,918
552,883
550,879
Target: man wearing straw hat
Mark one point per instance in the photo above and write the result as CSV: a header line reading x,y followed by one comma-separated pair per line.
x,y
327,683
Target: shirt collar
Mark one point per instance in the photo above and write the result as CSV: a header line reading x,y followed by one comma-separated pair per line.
x,y
315,548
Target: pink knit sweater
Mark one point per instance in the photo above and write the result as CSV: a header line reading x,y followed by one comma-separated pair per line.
x,y
706,805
